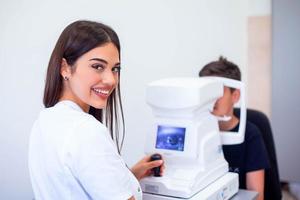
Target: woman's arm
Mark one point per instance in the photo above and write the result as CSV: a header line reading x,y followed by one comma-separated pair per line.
x,y
255,180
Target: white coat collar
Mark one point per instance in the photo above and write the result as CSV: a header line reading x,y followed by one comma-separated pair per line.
x,y
70,104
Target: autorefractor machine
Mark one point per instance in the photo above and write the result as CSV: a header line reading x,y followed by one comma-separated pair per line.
x,y
187,136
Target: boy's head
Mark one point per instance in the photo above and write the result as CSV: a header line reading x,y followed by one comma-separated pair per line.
x,y
226,69
221,68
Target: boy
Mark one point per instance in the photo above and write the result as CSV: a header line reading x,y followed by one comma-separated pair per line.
x,y
248,159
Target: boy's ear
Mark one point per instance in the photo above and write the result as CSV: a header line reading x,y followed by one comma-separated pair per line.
x,y
65,69
236,94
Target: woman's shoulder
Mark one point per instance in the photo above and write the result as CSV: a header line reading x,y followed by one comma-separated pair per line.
x,y
88,132
71,118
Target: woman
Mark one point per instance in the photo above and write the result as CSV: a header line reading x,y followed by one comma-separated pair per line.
x,y
71,155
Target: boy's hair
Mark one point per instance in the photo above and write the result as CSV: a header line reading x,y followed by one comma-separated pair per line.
x,y
221,68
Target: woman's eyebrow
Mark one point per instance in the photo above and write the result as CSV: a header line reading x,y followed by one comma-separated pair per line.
x,y
99,59
102,60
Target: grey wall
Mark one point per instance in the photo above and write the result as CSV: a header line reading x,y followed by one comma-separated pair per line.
x,y
285,86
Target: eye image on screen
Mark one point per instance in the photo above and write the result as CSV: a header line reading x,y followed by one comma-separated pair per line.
x,y
171,138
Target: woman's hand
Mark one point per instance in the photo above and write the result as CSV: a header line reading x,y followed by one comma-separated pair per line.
x,y
144,166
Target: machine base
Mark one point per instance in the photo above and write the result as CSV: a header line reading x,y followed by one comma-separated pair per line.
x,y
222,189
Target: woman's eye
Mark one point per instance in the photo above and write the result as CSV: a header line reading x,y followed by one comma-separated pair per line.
x,y
98,66
116,69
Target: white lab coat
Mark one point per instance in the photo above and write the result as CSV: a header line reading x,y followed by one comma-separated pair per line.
x,y
71,156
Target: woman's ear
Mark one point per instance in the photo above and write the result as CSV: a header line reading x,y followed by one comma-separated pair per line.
x,y
236,94
65,69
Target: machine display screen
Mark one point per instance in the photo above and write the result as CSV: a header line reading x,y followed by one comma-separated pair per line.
x,y
170,138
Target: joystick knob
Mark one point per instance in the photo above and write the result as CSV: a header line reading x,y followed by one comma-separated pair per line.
x,y
156,170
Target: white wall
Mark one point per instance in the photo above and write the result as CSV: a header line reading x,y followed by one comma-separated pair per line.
x,y
159,39
259,7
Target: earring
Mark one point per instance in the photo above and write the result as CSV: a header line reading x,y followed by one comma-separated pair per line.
x,y
66,78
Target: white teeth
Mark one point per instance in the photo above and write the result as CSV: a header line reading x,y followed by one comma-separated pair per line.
x,y
101,91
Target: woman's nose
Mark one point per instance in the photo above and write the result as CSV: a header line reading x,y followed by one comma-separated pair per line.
x,y
110,78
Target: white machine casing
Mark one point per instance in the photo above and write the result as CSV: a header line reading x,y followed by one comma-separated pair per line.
x,y
193,156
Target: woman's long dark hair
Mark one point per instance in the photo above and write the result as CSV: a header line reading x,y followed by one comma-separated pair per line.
x,y
77,39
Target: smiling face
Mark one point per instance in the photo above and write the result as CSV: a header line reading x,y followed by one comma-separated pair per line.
x,y
93,77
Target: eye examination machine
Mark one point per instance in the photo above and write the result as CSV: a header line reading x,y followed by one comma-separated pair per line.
x,y
187,136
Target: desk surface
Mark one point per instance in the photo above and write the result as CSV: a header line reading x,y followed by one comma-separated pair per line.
x,y
245,195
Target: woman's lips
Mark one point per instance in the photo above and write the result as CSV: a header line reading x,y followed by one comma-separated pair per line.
x,y
102,93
